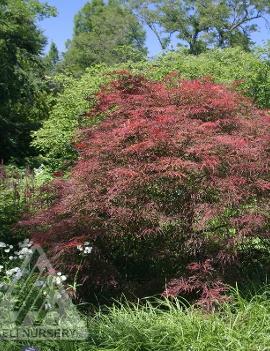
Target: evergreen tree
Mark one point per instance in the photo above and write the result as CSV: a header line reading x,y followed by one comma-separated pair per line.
x,y
22,90
52,58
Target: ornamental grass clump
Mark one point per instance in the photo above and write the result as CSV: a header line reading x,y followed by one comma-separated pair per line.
x,y
171,190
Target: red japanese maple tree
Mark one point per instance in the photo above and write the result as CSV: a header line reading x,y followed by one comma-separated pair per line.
x,y
171,189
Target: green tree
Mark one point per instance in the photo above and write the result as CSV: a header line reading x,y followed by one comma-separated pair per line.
x,y
202,24
22,87
52,58
104,33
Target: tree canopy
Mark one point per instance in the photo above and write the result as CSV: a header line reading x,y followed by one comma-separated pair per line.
x,y
202,24
104,33
52,58
22,100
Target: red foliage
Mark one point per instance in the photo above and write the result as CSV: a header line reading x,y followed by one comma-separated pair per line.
x,y
201,277
177,173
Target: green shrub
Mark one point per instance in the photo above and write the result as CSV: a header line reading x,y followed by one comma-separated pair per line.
x,y
54,138
15,192
251,72
18,190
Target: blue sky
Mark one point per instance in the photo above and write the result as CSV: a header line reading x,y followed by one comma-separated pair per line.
x,y
60,28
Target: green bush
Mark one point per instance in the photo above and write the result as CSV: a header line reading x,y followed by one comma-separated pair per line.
x,y
54,138
249,70
18,190
15,191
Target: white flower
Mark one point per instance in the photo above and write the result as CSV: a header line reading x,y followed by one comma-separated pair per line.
x,y
17,276
24,252
87,250
26,243
8,248
11,258
2,244
63,278
59,278
13,271
1,268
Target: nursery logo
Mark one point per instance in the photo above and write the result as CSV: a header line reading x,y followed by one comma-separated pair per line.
x,y
34,302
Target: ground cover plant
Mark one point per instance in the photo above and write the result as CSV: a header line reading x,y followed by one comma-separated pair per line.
x,y
171,189
240,325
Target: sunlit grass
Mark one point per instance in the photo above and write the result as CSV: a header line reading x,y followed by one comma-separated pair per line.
x,y
172,326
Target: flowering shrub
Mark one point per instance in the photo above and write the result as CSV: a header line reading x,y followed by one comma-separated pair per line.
x,y
19,276
10,258
171,190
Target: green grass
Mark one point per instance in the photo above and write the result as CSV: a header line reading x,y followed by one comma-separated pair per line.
x,y
170,326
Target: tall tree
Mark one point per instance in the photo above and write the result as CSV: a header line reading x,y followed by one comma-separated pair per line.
x,y
22,90
104,33
202,23
52,58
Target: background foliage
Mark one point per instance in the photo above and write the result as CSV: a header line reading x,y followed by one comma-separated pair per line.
x,y
23,91
251,73
202,25
104,33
